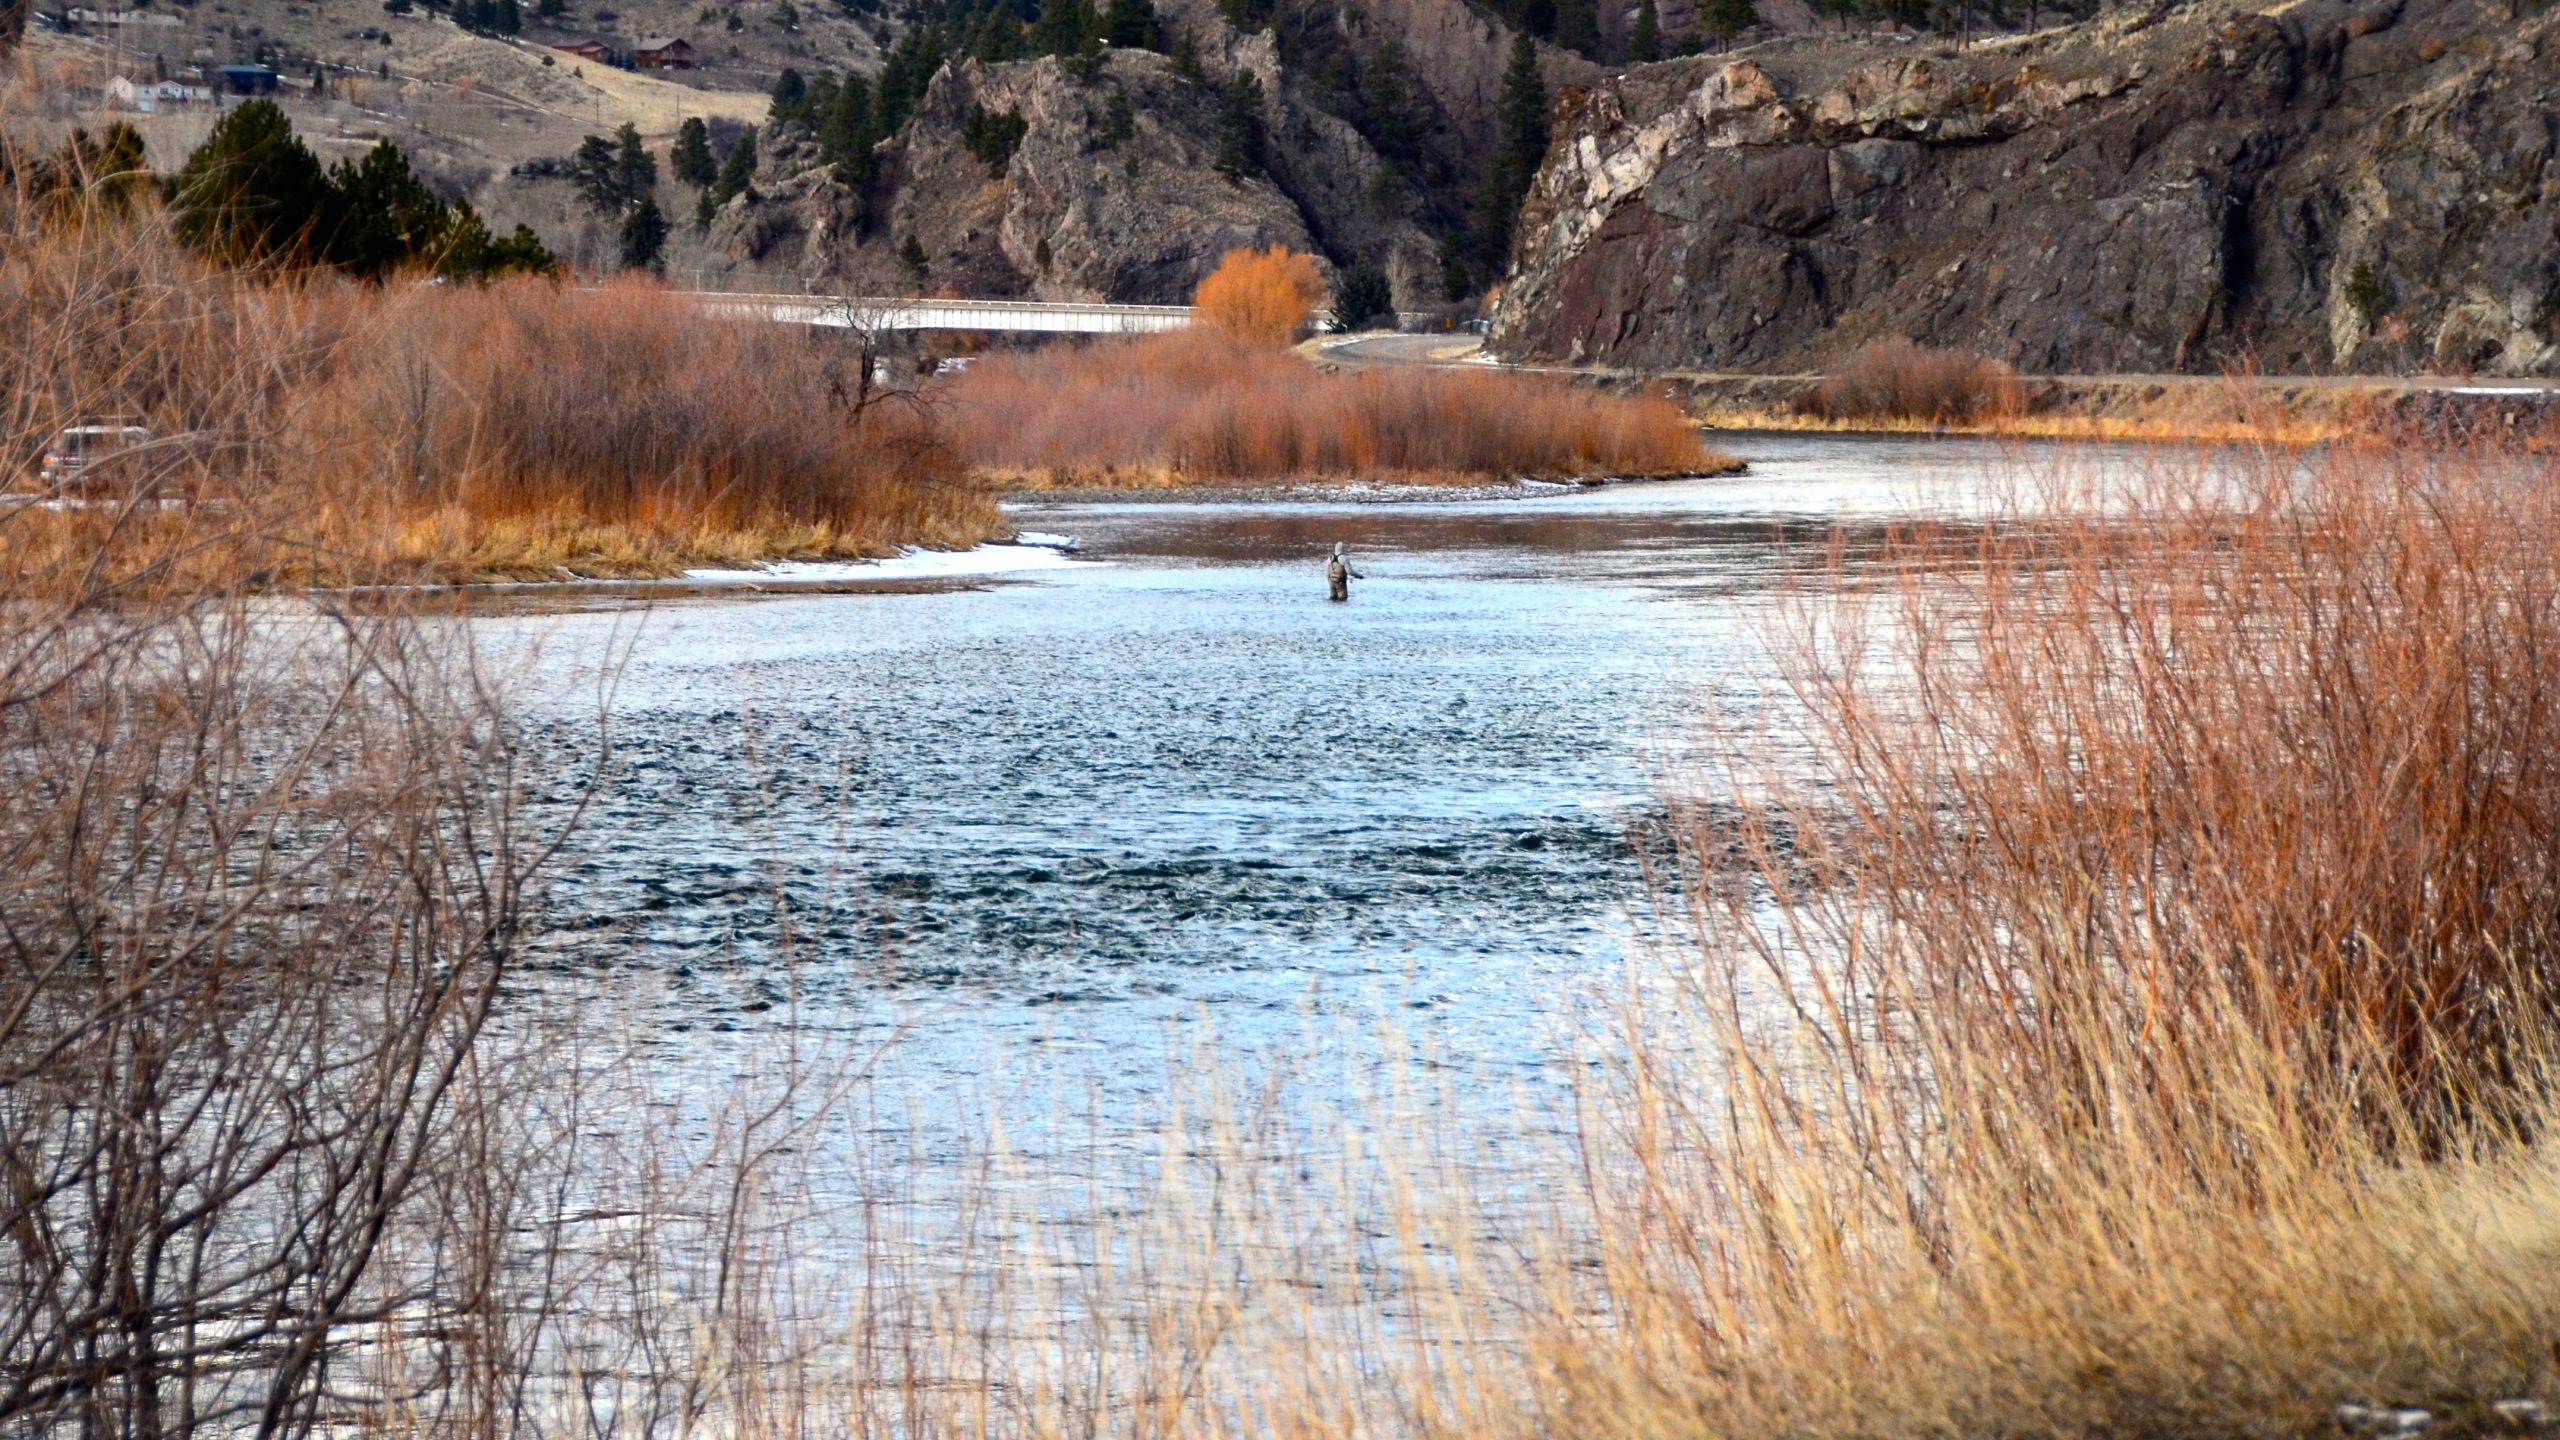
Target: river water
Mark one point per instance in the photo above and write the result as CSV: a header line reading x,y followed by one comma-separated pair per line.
x,y
1050,828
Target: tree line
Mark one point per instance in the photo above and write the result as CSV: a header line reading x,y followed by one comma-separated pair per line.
x,y
254,195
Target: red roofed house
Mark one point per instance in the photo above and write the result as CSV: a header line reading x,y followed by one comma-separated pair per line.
x,y
663,54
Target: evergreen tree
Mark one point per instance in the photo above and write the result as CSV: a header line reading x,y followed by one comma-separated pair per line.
x,y
1246,15
1456,282
595,172
635,170
738,171
790,98
691,158
1186,60
1363,298
1724,19
510,21
1119,120
388,218
1242,143
993,138
1131,25
1387,108
1644,42
644,237
548,8
703,211
1523,130
1060,29
253,192
469,252
1578,26
845,136
911,255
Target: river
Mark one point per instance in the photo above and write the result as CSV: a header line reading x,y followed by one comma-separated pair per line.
x,y
1048,828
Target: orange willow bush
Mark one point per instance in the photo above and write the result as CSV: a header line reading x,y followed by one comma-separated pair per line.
x,y
1263,297
1199,405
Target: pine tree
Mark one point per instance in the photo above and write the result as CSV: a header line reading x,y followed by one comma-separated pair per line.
x,y
253,191
1242,142
1362,298
1578,26
845,136
1724,19
1386,110
635,170
790,98
691,158
738,171
644,237
388,217
1523,119
1644,43
1131,25
704,211
1060,28
509,20
593,173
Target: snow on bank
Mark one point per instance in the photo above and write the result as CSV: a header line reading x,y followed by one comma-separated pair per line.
x,y
1042,552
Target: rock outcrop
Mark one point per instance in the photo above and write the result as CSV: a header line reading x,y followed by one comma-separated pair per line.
x,y
1081,209
2306,187
1113,192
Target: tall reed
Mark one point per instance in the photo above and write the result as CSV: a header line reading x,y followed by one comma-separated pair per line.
x,y
2123,1005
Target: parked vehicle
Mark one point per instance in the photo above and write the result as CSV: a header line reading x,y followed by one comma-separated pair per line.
x,y
92,457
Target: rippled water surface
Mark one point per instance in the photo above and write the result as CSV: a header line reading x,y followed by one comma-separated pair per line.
x,y
1053,820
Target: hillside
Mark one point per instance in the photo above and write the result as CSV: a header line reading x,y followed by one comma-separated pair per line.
x,y
2305,187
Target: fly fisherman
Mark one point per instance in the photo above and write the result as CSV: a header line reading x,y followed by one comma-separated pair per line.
x,y
1338,574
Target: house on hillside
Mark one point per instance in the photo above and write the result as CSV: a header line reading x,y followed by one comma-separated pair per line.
x,y
663,53
251,79
592,51
147,96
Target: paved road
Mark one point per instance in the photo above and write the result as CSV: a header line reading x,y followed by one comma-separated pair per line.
x,y
1455,350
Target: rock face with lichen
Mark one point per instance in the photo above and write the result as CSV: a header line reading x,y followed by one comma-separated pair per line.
x,y
2305,187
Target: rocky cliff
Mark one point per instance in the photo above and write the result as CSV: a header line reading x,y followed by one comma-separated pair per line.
x,y
1377,121
2308,186
1082,208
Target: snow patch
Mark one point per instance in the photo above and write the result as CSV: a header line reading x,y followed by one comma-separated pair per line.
x,y
913,565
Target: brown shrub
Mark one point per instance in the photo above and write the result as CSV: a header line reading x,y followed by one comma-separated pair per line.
x,y
1264,297
1899,380
1215,408
532,403
514,428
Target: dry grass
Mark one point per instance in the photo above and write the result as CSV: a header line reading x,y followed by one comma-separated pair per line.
x,y
1207,408
433,432
1898,380
2129,1011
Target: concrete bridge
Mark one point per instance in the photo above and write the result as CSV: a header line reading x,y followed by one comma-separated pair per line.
x,y
902,313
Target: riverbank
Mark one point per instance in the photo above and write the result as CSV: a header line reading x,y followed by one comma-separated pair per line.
x,y
2166,409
